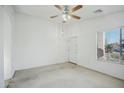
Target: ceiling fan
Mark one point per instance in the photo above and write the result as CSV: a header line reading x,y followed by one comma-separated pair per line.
x,y
67,13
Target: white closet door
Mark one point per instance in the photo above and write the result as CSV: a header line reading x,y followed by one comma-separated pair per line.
x,y
1,49
72,49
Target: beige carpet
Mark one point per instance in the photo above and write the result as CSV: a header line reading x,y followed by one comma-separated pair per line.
x,y
64,75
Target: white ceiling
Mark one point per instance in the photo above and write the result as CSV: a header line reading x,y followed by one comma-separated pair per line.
x,y
45,11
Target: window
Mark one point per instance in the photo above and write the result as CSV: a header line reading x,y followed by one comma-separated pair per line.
x,y
110,46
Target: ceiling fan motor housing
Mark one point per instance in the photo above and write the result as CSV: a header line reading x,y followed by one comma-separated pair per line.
x,y
66,10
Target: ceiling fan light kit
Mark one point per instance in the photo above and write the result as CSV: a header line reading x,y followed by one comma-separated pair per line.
x,y
66,17
67,13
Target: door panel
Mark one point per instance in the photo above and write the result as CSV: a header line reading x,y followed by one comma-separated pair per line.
x,y
72,49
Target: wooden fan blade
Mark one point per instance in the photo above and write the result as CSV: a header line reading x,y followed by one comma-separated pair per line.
x,y
76,8
76,17
54,16
58,6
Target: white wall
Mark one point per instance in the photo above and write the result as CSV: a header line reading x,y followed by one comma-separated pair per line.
x,y
36,42
87,45
1,49
8,30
